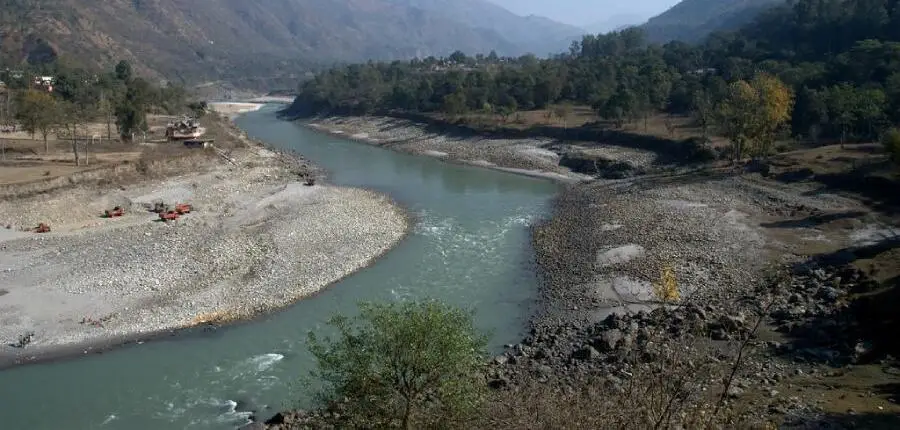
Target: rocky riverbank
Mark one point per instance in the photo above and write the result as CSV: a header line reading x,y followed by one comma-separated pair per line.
x,y
743,331
259,238
743,252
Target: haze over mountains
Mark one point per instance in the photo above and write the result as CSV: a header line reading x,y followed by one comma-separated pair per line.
x,y
662,20
197,40
590,13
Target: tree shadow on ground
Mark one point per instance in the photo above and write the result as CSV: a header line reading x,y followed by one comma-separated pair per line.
x,y
814,220
871,182
850,254
867,421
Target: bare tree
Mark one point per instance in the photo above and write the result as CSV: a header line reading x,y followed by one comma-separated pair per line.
x,y
72,119
105,108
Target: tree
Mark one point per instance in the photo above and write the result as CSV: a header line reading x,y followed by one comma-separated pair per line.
x,y
105,109
123,71
455,103
703,110
810,113
131,113
72,117
621,107
562,112
38,113
507,106
736,115
753,112
408,365
458,57
776,104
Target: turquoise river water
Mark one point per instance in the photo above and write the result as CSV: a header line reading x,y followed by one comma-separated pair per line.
x,y
469,247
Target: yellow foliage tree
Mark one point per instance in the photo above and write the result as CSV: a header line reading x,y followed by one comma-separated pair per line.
x,y
667,288
752,113
777,105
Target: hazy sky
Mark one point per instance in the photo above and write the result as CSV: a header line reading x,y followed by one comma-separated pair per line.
x,y
586,12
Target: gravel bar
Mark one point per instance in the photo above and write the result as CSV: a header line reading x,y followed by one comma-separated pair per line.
x,y
258,239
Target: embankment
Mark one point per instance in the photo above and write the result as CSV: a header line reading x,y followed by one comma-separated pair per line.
x,y
535,157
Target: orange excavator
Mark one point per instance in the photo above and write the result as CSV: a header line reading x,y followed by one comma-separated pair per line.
x,y
183,208
168,216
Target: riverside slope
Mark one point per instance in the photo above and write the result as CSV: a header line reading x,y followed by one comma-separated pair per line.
x,y
257,240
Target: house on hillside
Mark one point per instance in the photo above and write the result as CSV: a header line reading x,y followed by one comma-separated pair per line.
x,y
704,71
44,82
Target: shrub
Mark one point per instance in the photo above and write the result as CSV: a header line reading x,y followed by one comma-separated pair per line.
x,y
410,365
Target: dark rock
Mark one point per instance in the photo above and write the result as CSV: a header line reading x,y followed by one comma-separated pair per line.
x,y
23,341
829,293
719,334
284,418
732,323
608,340
586,353
861,350
696,312
543,370
498,383
820,274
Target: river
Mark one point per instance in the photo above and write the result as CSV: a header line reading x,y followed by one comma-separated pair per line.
x,y
469,247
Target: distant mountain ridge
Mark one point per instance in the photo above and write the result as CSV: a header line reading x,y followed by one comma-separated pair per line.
x,y
534,34
692,20
195,40
615,23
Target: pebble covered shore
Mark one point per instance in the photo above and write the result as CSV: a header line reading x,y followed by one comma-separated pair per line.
x,y
258,239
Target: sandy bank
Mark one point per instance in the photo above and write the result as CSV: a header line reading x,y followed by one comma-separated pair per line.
x,y
273,99
257,240
521,156
233,109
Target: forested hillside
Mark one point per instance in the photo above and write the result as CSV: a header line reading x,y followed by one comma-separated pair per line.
x,y
841,59
692,20
196,40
